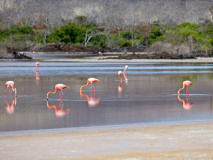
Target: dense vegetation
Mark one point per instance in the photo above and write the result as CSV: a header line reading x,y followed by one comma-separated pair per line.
x,y
196,36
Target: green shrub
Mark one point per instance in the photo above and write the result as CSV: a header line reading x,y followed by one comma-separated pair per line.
x,y
124,42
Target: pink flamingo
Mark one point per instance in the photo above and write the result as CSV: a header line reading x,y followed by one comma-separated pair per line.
x,y
186,105
59,112
125,74
37,77
33,54
59,87
126,67
37,64
90,81
100,54
120,74
10,84
185,84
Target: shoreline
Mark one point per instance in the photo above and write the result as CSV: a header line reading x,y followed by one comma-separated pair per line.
x,y
96,59
177,140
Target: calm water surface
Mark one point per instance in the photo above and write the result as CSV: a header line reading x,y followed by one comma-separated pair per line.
x,y
148,96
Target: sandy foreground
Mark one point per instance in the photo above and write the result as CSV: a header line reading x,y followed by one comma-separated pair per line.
x,y
175,140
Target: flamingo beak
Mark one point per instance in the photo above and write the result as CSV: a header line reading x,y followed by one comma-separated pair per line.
x,y
192,83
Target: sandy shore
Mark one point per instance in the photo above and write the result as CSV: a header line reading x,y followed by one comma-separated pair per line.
x,y
176,140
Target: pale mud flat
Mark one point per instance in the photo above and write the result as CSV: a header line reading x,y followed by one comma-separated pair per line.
x,y
174,140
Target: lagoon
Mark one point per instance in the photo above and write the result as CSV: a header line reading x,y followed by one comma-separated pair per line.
x,y
149,95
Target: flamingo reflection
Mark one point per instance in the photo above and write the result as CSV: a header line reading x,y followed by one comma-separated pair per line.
x,y
59,112
91,100
126,68
10,108
120,88
186,104
125,78
37,76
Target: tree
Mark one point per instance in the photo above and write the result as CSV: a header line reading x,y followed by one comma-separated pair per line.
x,y
91,34
211,10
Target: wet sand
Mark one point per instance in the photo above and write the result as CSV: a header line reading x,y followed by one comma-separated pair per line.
x,y
175,140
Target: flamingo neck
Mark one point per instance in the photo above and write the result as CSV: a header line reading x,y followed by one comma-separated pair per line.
x,y
84,85
51,106
121,77
181,100
51,93
121,83
180,89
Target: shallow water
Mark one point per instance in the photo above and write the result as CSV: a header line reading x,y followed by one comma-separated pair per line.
x,y
148,96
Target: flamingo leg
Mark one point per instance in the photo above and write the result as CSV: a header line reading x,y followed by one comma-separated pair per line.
x,y
62,94
61,104
94,86
91,87
6,91
11,91
187,92
59,94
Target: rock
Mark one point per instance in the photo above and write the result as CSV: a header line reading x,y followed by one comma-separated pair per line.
x,y
20,56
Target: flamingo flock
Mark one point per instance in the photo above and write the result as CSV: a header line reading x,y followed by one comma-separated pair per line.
x,y
91,100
